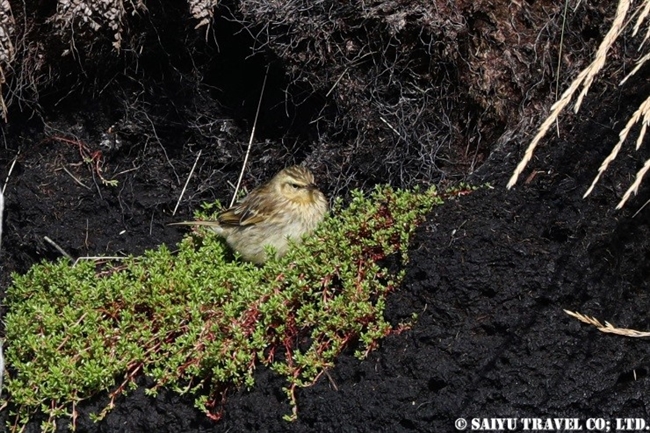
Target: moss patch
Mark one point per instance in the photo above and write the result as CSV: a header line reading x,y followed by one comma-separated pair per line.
x,y
198,322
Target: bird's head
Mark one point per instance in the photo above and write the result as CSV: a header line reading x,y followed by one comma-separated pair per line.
x,y
296,184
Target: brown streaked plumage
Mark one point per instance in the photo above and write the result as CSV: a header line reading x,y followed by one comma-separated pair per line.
x,y
289,206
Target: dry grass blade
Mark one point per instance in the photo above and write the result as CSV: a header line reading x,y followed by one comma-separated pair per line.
x,y
642,16
601,54
187,181
585,319
639,63
250,141
11,169
75,178
99,259
57,247
634,188
607,327
556,109
585,78
644,110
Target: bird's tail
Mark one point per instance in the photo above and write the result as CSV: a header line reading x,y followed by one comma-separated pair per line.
x,y
213,225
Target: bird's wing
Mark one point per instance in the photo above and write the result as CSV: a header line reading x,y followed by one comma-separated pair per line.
x,y
243,214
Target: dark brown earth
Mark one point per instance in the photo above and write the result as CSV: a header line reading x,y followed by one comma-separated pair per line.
x,y
490,273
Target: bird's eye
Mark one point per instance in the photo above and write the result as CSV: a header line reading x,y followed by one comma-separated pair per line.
x,y
295,185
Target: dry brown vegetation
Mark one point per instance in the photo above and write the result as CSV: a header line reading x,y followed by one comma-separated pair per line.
x,y
626,18
430,89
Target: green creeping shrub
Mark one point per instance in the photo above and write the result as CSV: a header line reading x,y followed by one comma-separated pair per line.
x,y
200,323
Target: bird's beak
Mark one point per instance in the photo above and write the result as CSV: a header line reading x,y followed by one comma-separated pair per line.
x,y
312,187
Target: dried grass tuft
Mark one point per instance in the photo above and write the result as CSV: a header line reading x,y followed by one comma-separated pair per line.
x,y
7,49
585,79
642,17
643,111
203,11
77,16
607,327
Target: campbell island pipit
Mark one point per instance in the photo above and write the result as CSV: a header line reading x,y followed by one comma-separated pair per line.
x,y
288,206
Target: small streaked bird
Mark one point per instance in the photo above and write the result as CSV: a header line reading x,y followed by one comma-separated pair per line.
x,y
289,206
